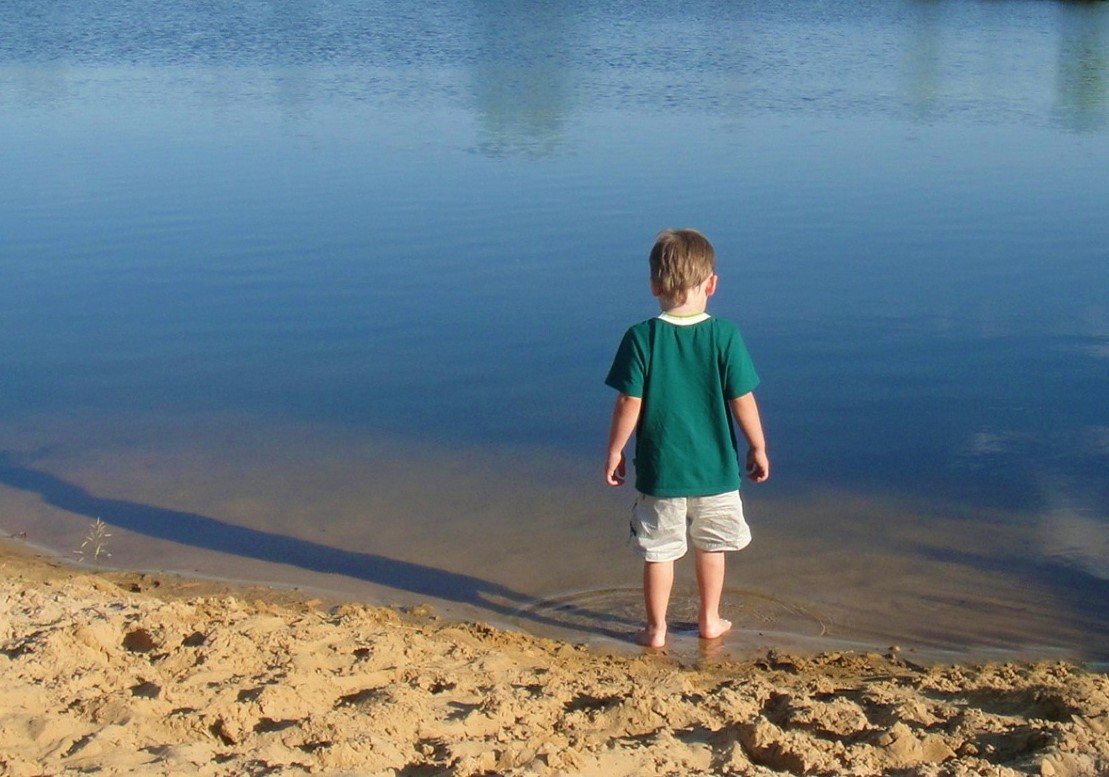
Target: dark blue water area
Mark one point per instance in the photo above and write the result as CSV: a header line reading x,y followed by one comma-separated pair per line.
x,y
478,300
435,222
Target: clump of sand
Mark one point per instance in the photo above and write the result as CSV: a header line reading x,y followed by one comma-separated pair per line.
x,y
127,674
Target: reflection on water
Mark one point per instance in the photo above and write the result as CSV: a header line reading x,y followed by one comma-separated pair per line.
x,y
521,76
960,55
1082,80
923,58
531,67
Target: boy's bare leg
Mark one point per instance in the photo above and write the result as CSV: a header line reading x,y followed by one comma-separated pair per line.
x,y
658,580
710,585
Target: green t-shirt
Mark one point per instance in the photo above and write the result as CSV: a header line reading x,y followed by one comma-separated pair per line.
x,y
686,372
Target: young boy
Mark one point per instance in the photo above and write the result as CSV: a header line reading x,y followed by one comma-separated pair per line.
x,y
681,376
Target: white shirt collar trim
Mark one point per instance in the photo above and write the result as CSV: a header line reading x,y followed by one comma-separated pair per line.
x,y
684,320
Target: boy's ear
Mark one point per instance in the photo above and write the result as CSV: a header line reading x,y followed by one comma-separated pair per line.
x,y
710,287
655,290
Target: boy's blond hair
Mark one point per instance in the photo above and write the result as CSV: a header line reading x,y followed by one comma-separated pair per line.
x,y
680,260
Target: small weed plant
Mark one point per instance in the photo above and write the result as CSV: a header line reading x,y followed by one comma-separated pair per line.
x,y
95,545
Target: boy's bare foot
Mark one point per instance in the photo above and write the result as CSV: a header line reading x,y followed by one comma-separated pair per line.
x,y
716,629
652,637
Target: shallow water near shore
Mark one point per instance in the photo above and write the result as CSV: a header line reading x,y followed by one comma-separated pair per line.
x,y
530,539
324,294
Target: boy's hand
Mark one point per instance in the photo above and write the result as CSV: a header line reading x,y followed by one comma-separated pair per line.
x,y
625,415
758,465
615,469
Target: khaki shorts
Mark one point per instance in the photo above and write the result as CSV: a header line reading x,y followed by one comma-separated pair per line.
x,y
659,525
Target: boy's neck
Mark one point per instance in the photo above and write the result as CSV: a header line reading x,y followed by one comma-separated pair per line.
x,y
683,311
696,301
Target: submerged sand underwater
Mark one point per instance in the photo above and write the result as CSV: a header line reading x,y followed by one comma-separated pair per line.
x,y
531,539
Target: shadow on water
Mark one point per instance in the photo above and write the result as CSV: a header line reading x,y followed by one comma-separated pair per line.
x,y
213,534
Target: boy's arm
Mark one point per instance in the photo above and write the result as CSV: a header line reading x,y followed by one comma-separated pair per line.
x,y
625,415
746,413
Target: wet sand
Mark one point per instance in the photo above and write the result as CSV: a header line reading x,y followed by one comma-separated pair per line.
x,y
132,673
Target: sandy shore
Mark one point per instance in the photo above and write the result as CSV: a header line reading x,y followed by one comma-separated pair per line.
x,y
113,673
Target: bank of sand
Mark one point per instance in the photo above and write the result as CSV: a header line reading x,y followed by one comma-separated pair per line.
x,y
117,673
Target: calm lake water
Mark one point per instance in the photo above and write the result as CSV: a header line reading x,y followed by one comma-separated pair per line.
x,y
323,293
